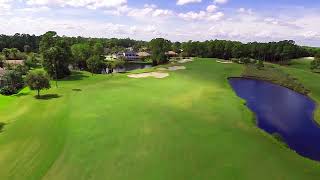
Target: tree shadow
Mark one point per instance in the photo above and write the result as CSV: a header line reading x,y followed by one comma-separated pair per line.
x,y
48,97
77,90
21,94
75,76
2,126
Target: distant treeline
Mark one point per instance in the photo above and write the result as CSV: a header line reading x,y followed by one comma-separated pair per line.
x,y
273,51
20,41
25,42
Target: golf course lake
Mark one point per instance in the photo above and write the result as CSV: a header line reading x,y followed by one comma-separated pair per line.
x,y
132,66
284,112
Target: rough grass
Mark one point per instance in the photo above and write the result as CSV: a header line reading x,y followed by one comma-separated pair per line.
x,y
190,125
300,68
275,75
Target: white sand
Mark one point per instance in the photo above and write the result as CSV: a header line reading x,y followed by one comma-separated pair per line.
x,y
175,68
224,62
162,69
158,75
172,68
310,58
185,61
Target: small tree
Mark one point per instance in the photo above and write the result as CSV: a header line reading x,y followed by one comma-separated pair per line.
x,y
38,80
14,52
98,49
260,65
32,61
315,64
95,64
159,47
26,48
6,52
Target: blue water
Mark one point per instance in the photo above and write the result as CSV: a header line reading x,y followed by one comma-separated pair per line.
x,y
283,111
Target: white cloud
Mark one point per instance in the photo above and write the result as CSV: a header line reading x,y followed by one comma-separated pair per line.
x,y
78,28
215,17
271,20
5,7
311,35
150,6
5,4
244,10
147,12
34,9
184,2
200,16
151,21
90,4
220,1
212,8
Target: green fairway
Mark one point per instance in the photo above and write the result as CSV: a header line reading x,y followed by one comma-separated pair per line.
x,y
190,125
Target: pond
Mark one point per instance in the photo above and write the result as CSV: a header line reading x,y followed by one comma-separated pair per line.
x,y
131,66
282,111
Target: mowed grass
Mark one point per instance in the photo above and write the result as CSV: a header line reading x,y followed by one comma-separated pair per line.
x,y
300,68
190,125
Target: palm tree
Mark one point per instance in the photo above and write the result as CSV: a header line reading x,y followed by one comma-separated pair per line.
x,y
14,52
6,52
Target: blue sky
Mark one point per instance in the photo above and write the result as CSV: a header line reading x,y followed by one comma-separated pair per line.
x,y
177,20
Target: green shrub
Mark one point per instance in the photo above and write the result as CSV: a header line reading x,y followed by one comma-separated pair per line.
x,y
8,90
12,81
2,126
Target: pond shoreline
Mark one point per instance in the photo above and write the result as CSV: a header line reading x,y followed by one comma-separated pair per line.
x,y
269,81
272,82
256,115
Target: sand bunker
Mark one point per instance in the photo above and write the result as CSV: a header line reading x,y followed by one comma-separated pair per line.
x,y
224,62
158,75
310,58
172,68
185,60
175,68
162,69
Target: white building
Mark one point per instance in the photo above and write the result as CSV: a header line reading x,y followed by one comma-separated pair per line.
x,y
129,56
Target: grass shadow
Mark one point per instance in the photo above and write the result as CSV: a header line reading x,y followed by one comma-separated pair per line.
x,y
48,97
2,126
21,94
75,76
77,90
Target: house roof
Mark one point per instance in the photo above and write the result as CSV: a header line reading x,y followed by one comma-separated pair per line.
x,y
171,53
143,54
130,53
2,71
16,62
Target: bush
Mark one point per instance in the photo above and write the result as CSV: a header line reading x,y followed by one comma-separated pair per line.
x,y
245,60
260,65
8,90
2,126
12,81
315,64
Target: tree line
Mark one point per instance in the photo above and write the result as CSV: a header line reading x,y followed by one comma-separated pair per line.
x,y
31,43
273,51
22,42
